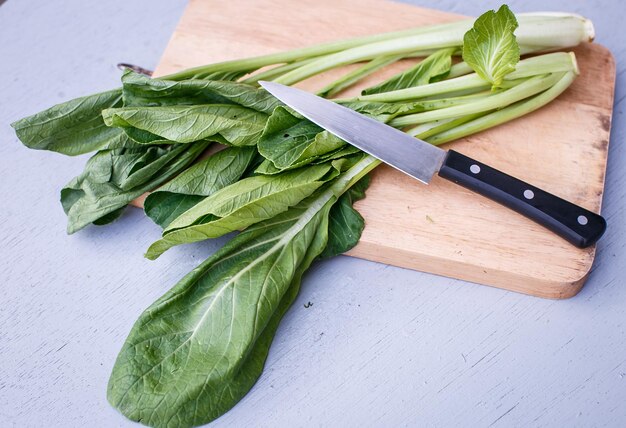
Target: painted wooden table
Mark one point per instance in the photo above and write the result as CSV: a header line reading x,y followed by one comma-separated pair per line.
x,y
375,345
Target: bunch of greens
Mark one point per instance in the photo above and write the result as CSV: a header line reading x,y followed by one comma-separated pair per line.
x,y
288,184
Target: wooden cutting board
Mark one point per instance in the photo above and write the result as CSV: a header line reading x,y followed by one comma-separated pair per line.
x,y
440,228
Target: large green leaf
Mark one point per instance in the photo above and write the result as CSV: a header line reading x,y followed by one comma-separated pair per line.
x,y
231,124
198,350
113,178
289,140
74,127
195,183
141,90
267,167
490,47
242,204
433,68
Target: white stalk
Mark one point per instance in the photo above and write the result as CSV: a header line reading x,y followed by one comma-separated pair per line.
x,y
536,32
523,90
543,64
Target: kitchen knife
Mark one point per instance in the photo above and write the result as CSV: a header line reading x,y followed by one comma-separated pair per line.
x,y
422,160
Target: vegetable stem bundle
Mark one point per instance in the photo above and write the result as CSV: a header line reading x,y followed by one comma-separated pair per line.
x,y
284,182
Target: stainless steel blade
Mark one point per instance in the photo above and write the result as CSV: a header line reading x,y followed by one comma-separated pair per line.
x,y
410,155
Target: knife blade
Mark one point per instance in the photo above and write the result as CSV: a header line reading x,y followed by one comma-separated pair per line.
x,y
422,161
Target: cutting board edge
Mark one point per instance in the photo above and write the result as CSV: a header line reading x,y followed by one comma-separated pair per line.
x,y
502,279
611,108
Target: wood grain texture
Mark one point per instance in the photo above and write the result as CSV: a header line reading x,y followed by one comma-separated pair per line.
x,y
441,228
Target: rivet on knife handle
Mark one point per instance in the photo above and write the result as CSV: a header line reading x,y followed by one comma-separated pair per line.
x,y
577,225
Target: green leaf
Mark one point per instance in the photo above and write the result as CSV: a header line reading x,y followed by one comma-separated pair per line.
x,y
490,47
239,126
384,112
195,183
141,90
198,350
113,178
267,167
345,223
223,75
74,127
433,68
341,152
289,140
242,204
163,207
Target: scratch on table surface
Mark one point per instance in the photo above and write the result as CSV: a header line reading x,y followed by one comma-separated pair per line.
x,y
560,348
463,372
565,396
503,415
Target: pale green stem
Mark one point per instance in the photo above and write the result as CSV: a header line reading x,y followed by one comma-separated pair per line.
x,y
428,129
357,74
423,43
543,64
438,127
420,130
460,69
471,81
354,174
254,63
523,90
276,71
506,114
547,33
541,31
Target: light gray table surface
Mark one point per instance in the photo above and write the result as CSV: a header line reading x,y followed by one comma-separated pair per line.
x,y
380,346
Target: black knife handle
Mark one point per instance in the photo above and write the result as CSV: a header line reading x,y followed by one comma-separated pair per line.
x,y
577,225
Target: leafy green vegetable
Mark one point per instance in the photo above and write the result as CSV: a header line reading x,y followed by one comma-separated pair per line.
x,y
163,207
113,178
384,112
242,204
340,153
141,90
432,69
195,183
74,127
267,167
490,47
289,140
197,350
345,224
236,125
